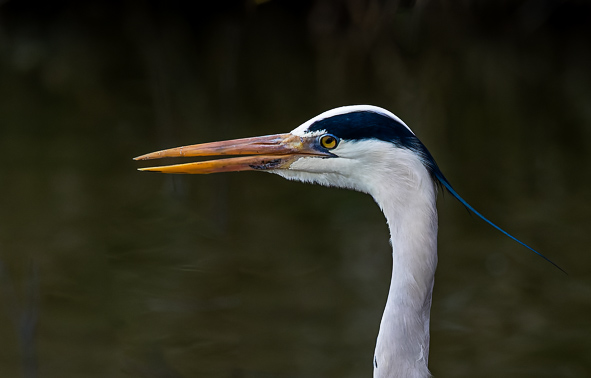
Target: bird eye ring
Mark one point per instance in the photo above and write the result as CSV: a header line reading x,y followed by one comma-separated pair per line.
x,y
329,141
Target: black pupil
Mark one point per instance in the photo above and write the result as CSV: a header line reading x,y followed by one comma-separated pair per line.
x,y
328,141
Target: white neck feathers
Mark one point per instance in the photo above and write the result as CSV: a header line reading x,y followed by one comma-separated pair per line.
x,y
407,198
401,185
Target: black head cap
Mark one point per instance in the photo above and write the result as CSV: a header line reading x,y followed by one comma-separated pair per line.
x,y
361,125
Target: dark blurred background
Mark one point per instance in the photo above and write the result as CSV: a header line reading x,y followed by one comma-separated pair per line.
x,y
110,272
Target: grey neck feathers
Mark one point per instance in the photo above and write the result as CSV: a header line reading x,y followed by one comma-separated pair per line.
x,y
402,348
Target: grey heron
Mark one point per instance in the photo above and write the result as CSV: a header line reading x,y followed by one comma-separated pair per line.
x,y
370,150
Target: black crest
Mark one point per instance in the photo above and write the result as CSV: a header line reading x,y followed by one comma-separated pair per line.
x,y
364,125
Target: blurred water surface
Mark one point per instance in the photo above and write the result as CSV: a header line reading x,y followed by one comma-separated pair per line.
x,y
110,272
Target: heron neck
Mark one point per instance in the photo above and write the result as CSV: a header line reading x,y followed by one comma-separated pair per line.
x,y
402,348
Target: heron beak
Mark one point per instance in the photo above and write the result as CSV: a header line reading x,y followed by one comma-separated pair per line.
x,y
263,153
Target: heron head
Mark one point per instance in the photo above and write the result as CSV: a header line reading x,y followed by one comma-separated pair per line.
x,y
350,147
360,147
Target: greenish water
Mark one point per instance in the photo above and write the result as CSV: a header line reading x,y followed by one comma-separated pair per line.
x,y
110,272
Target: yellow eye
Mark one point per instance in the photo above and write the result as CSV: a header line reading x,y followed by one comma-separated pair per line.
x,y
329,141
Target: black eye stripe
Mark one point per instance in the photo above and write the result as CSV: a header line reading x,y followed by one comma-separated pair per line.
x,y
362,125
366,125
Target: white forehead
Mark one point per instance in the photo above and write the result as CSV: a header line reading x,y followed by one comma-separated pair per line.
x,y
302,129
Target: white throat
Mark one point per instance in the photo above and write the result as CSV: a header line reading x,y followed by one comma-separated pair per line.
x,y
408,202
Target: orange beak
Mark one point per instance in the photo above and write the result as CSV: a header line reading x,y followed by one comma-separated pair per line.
x,y
264,153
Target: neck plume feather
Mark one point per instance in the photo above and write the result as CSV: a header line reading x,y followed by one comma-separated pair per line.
x,y
408,202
